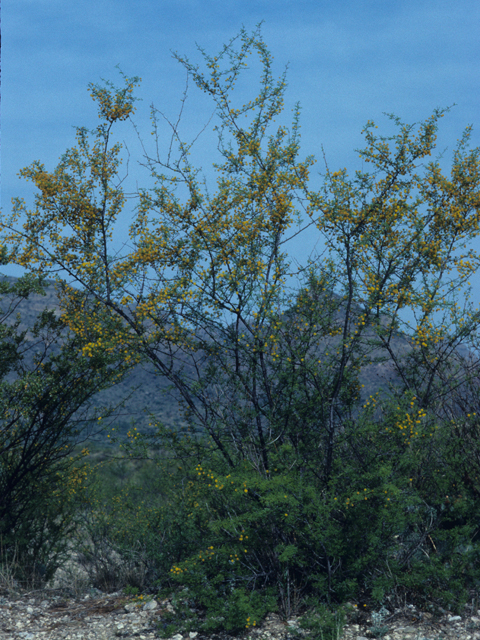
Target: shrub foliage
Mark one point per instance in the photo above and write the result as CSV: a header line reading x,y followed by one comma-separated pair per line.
x,y
278,494
45,390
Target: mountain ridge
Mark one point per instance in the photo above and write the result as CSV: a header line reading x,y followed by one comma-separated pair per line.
x,y
153,390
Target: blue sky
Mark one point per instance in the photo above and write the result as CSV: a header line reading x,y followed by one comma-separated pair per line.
x,y
349,61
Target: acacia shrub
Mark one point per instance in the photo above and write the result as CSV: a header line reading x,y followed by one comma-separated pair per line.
x,y
377,530
46,388
124,540
392,225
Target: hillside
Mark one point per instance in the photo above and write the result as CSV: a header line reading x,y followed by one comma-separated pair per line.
x,y
143,389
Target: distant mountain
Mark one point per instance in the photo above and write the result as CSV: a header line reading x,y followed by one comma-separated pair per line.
x,y
152,390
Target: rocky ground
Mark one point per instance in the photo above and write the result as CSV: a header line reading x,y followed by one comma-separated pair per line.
x,y
71,609
49,615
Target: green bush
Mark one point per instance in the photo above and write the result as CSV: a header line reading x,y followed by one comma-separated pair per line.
x,y
324,624
203,611
241,542
46,387
284,498
35,538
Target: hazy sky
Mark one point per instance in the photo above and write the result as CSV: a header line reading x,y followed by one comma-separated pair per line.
x,y
349,61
